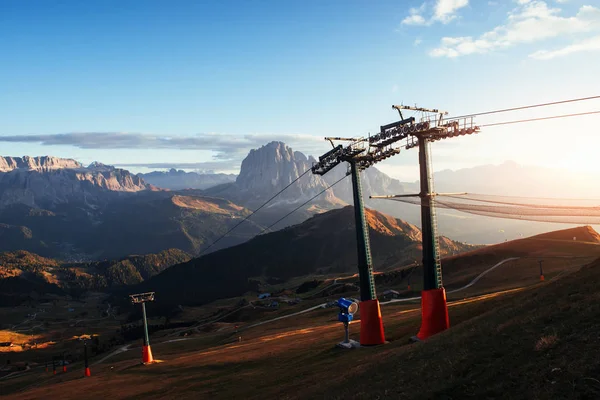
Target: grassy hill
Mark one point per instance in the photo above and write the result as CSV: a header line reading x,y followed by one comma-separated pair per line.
x,y
147,222
533,343
324,244
22,273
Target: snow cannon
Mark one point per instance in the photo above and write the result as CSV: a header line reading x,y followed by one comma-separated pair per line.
x,y
347,310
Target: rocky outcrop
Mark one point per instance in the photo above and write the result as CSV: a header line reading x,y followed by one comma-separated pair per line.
x,y
41,164
48,181
269,169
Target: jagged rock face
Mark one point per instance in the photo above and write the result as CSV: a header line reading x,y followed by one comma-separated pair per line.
x,y
267,170
48,181
44,163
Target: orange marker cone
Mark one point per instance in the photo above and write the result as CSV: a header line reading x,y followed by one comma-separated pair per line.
x,y
147,354
541,278
434,313
371,323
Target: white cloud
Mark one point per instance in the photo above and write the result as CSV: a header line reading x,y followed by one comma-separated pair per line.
x,y
532,21
225,147
417,42
591,44
442,11
415,19
445,10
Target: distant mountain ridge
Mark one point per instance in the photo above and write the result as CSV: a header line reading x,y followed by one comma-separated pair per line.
x,y
45,182
179,179
43,163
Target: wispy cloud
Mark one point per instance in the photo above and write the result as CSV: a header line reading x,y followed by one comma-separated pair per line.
x,y
442,11
591,44
226,147
531,21
201,166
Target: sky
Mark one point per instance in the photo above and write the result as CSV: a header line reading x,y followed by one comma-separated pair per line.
x,y
197,84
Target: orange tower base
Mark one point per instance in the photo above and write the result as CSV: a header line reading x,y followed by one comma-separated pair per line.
x,y
541,278
434,313
147,354
371,323
87,372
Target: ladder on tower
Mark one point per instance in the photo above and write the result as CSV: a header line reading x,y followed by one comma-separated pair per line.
x,y
436,246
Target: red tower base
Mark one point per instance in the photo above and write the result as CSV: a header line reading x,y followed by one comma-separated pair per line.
x,y
87,372
371,323
541,278
434,313
147,354
64,368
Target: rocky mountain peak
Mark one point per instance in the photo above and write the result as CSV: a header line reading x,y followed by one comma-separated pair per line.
x,y
41,163
267,170
98,166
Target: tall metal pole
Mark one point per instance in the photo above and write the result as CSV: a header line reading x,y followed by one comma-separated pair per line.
x,y
85,360
146,350
432,278
371,322
146,338
365,264
434,309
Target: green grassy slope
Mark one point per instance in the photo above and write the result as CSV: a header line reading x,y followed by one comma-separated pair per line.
x,y
539,344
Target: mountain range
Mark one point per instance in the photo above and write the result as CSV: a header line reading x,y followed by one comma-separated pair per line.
x,y
60,208
179,179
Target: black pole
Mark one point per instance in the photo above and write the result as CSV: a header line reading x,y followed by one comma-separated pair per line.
x,y
432,274
85,355
365,264
541,271
146,338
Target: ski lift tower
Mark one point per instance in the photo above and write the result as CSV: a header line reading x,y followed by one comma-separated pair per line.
x,y
371,322
143,298
362,153
431,127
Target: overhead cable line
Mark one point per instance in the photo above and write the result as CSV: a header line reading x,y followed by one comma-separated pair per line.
x,y
253,212
529,106
303,204
541,119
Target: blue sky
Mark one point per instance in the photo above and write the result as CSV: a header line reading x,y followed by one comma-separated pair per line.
x,y
200,83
